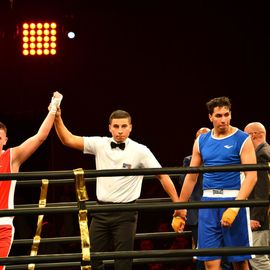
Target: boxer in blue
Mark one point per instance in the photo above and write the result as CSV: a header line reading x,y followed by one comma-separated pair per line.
x,y
221,227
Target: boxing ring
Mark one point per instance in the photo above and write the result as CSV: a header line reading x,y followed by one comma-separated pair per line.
x,y
83,207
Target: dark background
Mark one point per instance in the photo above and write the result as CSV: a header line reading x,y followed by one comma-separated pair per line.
x,y
160,60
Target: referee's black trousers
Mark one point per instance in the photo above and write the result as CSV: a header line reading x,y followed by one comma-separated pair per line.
x,y
113,231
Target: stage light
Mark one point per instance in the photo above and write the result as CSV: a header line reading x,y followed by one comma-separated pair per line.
x,y
71,35
69,27
39,38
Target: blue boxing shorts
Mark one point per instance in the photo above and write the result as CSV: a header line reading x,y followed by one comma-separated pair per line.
x,y
212,235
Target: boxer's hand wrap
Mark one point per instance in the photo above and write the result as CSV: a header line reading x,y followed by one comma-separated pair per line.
x,y
177,223
230,214
55,103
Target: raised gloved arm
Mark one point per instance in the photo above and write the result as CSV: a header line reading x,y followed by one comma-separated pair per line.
x,y
55,102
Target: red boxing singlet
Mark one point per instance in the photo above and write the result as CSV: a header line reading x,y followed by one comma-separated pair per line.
x,y
7,188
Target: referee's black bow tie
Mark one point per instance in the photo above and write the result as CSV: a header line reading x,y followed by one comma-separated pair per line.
x,y
120,145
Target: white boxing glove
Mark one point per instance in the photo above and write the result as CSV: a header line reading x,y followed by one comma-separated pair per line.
x,y
55,102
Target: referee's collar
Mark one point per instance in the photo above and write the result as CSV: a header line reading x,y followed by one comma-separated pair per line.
x,y
125,142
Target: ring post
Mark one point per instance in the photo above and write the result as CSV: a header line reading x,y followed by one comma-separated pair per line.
x,y
82,197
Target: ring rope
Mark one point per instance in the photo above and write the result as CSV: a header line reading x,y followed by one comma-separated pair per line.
x,y
69,239
106,262
71,257
125,172
152,200
135,206
23,182
143,203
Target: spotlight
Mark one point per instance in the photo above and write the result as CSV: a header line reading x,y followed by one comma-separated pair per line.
x,y
71,34
39,38
69,27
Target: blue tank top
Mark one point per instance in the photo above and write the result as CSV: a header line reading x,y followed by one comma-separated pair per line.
x,y
219,152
